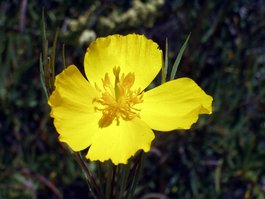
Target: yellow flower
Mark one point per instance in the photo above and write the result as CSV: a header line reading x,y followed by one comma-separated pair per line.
x,y
111,112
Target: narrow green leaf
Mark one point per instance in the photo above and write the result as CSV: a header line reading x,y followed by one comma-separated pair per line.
x,y
63,56
42,78
218,176
177,61
45,57
44,40
54,54
165,67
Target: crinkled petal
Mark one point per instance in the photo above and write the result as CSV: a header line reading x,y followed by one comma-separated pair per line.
x,y
120,142
132,53
175,105
71,107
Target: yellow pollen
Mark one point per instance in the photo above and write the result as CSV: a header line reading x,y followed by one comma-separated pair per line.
x,y
118,100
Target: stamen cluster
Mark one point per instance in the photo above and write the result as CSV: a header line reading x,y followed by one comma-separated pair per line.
x,y
118,100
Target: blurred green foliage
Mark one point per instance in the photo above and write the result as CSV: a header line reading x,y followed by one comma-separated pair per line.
x,y
222,156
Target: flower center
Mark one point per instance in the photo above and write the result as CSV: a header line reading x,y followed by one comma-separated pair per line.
x,y
118,100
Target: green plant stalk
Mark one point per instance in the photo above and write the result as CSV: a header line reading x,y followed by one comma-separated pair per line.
x,y
89,177
109,176
124,171
113,182
101,177
135,174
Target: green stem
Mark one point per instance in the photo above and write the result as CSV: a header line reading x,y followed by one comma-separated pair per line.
x,y
113,183
124,170
101,176
135,174
89,177
109,179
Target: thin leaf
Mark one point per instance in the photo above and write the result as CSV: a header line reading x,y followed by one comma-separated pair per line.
x,y
165,67
54,54
177,61
217,176
63,56
42,78
45,57
44,40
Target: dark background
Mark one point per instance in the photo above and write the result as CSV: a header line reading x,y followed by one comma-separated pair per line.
x,y
222,156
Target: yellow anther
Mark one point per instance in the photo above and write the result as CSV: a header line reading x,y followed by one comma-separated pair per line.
x,y
118,101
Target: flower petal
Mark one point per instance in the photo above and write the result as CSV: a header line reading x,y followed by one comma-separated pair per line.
x,y
71,103
175,105
132,53
120,142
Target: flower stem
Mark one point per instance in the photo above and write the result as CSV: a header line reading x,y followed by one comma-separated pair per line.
x,y
135,175
89,177
109,180
113,182
124,171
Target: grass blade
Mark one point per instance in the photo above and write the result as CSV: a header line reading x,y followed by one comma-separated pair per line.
x,y
54,54
42,78
63,56
177,61
44,40
165,67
